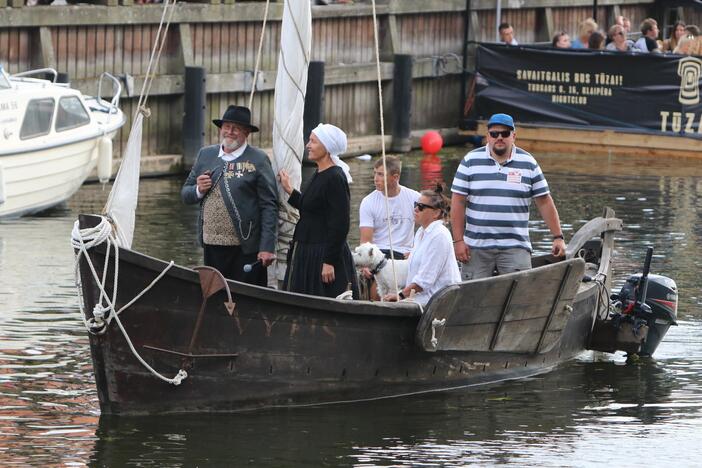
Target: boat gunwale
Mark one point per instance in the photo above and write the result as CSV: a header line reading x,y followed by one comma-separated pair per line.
x,y
301,301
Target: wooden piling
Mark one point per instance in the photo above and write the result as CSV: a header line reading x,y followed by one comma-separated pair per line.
x,y
401,103
194,113
314,98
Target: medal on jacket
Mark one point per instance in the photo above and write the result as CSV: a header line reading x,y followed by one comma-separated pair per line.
x,y
229,170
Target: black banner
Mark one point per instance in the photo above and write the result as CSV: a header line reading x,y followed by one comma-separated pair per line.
x,y
653,93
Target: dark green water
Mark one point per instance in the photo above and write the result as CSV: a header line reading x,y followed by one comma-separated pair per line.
x,y
588,412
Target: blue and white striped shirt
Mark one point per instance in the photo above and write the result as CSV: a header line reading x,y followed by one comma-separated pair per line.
x,y
497,210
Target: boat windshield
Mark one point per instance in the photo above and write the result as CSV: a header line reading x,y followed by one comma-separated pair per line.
x,y
4,81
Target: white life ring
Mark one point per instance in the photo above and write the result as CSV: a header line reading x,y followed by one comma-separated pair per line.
x,y
104,163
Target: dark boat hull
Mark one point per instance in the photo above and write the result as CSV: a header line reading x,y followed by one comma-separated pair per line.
x,y
286,349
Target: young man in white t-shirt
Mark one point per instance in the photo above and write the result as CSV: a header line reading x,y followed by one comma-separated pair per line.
x,y
373,219
373,214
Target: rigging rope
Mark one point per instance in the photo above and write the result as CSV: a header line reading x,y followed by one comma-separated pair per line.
x,y
159,42
382,146
258,55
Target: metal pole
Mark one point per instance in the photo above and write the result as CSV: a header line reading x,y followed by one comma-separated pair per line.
x,y
498,20
594,10
464,75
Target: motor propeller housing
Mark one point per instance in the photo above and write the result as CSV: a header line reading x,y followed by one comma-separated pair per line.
x,y
659,309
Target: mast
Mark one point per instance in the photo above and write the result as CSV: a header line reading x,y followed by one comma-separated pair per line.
x,y
290,87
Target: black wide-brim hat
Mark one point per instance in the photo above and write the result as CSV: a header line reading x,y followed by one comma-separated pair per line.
x,y
237,114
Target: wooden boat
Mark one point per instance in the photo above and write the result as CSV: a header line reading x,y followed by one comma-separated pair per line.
x,y
52,137
245,347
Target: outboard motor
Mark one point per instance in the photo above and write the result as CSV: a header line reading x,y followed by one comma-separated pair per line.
x,y
659,308
643,311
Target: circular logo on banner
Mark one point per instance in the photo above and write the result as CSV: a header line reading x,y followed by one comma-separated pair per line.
x,y
689,70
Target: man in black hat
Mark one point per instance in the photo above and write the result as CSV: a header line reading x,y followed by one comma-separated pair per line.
x,y
235,186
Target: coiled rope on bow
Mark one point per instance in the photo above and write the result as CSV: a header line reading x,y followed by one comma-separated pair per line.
x,y
104,310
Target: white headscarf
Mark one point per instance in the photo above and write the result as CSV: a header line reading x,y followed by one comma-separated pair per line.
x,y
334,140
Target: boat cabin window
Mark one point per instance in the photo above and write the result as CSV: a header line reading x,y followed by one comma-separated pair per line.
x,y
71,114
37,119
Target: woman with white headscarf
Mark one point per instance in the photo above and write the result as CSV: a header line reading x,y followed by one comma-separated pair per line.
x,y
319,259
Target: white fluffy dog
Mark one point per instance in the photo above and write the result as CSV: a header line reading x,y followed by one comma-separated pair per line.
x,y
369,256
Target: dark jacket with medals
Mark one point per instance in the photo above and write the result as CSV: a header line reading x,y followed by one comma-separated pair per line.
x,y
249,192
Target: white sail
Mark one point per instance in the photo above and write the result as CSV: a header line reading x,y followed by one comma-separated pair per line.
x,y
290,88
121,205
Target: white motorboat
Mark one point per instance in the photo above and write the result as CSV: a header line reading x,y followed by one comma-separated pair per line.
x,y
51,139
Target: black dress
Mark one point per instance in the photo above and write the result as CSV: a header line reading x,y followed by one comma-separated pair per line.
x,y
320,236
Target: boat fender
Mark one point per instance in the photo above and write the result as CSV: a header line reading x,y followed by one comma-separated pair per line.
x,y
2,186
104,164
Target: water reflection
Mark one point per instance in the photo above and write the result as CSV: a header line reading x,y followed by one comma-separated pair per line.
x,y
482,426
593,410
430,169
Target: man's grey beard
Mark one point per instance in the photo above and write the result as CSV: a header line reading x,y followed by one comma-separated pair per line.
x,y
230,147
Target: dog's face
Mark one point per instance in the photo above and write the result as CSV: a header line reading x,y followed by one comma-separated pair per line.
x,y
367,255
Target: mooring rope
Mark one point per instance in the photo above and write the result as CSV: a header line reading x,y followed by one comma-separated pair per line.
x,y
382,146
85,239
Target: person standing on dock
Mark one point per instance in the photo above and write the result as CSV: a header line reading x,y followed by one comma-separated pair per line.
x,y
235,186
492,190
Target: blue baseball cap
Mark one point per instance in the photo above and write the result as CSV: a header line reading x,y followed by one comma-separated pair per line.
x,y
501,119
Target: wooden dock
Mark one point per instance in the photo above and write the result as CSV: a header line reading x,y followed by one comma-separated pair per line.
x,y
544,139
222,37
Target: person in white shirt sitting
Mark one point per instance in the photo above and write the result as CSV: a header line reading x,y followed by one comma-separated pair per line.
x,y
432,263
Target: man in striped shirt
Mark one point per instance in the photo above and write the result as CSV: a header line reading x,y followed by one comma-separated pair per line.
x,y
492,190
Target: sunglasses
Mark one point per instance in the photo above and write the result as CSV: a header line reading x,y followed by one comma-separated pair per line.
x,y
422,206
502,133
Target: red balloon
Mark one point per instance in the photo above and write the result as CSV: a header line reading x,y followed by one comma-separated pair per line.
x,y
432,142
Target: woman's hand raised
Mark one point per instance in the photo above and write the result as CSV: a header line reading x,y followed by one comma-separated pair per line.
x,y
285,181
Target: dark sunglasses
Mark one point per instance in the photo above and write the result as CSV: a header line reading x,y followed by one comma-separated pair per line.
x,y
422,206
502,133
